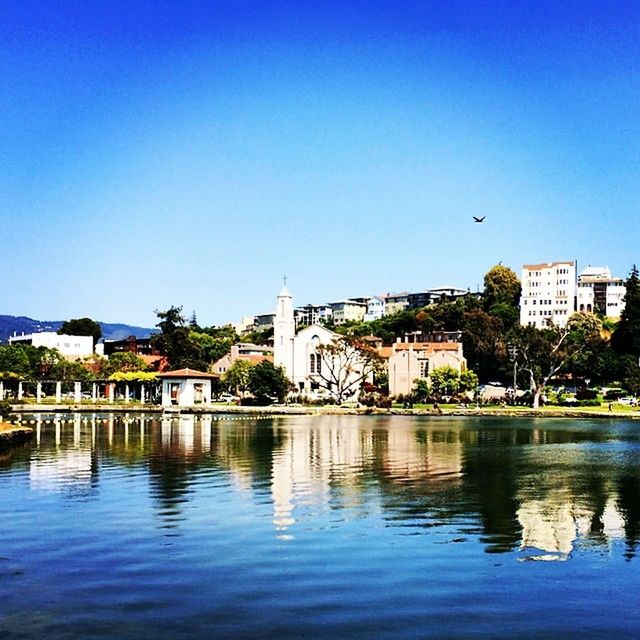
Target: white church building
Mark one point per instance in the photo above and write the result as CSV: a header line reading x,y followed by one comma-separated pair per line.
x,y
298,353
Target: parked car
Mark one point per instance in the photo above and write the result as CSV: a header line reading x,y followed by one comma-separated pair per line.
x,y
227,397
629,400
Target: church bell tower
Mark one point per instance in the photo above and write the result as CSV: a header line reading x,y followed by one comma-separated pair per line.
x,y
284,331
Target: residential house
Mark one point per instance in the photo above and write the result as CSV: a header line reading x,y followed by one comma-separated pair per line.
x,y
253,353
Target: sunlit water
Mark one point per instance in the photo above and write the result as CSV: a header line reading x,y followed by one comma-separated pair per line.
x,y
320,527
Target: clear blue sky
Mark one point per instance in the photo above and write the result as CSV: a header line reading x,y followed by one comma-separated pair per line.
x,y
192,153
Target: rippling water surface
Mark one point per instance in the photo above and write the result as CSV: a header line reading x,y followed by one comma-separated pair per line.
x,y
320,527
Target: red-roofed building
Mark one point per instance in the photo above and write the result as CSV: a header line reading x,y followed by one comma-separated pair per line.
x,y
411,361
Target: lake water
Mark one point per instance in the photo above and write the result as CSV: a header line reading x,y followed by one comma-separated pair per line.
x,y
118,527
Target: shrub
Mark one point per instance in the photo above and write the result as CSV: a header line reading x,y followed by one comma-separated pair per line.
x,y
5,408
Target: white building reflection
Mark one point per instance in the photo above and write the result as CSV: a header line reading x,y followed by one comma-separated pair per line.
x,y
551,527
312,461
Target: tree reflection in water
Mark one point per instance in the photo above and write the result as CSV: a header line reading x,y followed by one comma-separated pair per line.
x,y
532,487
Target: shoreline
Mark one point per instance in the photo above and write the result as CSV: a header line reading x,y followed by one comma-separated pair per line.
x,y
283,410
13,434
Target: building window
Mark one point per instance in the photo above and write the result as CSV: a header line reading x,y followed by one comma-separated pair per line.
x,y
312,363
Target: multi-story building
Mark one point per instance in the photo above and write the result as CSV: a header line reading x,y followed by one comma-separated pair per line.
x,y
421,299
396,302
548,293
600,293
264,322
312,314
348,311
410,361
375,308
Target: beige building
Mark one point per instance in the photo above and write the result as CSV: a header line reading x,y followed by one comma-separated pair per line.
x,y
254,353
396,302
411,361
348,311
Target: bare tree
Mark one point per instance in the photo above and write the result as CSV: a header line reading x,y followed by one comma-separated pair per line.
x,y
343,364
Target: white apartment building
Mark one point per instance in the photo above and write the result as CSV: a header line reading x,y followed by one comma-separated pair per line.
x,y
548,293
375,309
601,293
68,346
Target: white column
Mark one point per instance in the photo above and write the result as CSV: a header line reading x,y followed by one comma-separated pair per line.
x,y
58,392
77,392
20,391
142,393
94,393
38,392
1,390
112,391
126,392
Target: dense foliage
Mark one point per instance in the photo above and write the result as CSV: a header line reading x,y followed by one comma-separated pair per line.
x,y
81,327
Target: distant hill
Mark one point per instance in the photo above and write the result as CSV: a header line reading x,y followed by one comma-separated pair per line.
x,y
21,324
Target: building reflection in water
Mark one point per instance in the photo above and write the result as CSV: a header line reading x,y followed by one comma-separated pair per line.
x,y
522,499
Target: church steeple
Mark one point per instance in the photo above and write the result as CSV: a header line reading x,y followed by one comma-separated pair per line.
x,y
284,330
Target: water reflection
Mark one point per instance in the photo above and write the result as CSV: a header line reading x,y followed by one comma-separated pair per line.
x,y
536,491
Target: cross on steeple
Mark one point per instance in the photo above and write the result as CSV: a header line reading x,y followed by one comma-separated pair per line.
x,y
284,279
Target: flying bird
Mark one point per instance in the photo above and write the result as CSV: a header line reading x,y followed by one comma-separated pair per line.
x,y
479,219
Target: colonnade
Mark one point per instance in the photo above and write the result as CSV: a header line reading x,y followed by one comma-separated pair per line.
x,y
109,391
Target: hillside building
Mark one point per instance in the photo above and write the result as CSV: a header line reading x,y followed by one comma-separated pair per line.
x,y
601,293
68,346
548,293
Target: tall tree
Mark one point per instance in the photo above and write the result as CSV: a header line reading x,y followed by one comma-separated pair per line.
x,y
626,337
267,381
502,290
174,340
81,327
543,353
237,377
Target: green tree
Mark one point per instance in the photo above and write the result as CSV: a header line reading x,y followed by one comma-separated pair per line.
x,y
543,353
81,327
445,381
28,361
267,381
236,378
211,347
630,372
483,340
124,361
421,390
501,285
626,337
468,380
174,340
502,295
